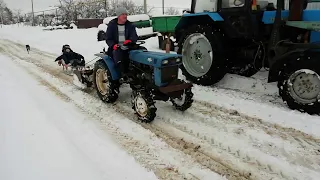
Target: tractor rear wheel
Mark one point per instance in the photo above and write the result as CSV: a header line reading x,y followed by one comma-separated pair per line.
x,y
299,85
106,88
204,62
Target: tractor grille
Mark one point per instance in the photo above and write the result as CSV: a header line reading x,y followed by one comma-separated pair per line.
x,y
168,74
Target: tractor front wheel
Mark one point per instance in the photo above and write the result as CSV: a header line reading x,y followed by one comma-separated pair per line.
x,y
106,88
144,105
204,62
184,102
299,85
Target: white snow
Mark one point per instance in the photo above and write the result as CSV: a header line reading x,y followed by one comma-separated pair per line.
x,y
266,132
102,27
43,137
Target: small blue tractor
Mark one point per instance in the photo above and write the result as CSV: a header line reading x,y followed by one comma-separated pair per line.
x,y
151,76
242,36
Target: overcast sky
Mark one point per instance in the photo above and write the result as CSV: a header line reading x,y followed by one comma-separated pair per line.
x,y
39,5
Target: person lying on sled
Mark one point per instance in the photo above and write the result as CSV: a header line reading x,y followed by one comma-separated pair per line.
x,y
70,58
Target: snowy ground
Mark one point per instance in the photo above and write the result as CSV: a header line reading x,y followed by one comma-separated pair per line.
x,y
43,137
240,128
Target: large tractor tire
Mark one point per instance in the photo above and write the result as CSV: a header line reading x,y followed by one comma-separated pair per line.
x,y
204,62
106,88
299,85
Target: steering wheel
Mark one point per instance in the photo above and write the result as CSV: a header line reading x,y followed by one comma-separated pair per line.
x,y
238,2
127,46
139,42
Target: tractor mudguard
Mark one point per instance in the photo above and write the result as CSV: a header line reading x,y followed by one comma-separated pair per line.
x,y
308,15
115,74
189,19
284,59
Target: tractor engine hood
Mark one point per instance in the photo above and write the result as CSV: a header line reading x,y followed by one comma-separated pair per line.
x,y
155,59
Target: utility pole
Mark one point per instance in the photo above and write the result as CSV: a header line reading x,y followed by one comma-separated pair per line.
x,y
32,13
163,7
2,23
106,7
145,6
57,19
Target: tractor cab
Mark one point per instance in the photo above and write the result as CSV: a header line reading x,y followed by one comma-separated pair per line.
x,y
199,6
242,18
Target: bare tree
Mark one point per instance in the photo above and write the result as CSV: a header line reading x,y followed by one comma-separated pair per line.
x,y
172,11
73,9
93,9
68,9
17,15
131,7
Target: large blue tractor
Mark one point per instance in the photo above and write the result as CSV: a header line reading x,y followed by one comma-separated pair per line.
x,y
242,36
151,76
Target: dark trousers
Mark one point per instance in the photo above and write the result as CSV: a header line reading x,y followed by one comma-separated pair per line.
x,y
78,62
121,59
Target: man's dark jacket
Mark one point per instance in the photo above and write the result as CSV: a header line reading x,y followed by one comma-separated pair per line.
x,y
112,35
67,57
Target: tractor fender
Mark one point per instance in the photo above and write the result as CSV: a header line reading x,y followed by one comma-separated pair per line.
x,y
115,74
282,60
197,18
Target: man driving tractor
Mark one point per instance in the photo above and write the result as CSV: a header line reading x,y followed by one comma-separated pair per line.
x,y
120,31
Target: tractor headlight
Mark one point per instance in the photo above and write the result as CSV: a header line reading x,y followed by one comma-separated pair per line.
x,y
178,60
165,62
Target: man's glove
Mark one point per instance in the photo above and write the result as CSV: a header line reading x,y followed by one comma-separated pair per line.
x,y
127,42
115,47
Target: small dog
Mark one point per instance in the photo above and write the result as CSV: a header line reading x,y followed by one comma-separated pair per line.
x,y
28,48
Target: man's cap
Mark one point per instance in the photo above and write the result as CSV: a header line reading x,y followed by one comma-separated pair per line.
x,y
120,11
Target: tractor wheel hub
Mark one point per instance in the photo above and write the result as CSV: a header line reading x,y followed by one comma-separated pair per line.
x,y
141,106
196,52
102,81
305,86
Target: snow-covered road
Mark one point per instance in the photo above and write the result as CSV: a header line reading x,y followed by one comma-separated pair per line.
x,y
43,137
216,135
47,137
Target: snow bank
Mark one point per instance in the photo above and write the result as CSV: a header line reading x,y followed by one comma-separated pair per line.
x,y
132,18
50,139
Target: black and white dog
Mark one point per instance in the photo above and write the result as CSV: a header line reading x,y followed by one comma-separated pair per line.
x,y
28,48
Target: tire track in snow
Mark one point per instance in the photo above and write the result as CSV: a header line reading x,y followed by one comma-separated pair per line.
x,y
250,163
270,128
285,133
224,115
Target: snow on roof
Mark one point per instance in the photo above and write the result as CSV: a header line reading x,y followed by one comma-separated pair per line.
x,y
166,15
102,27
132,18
